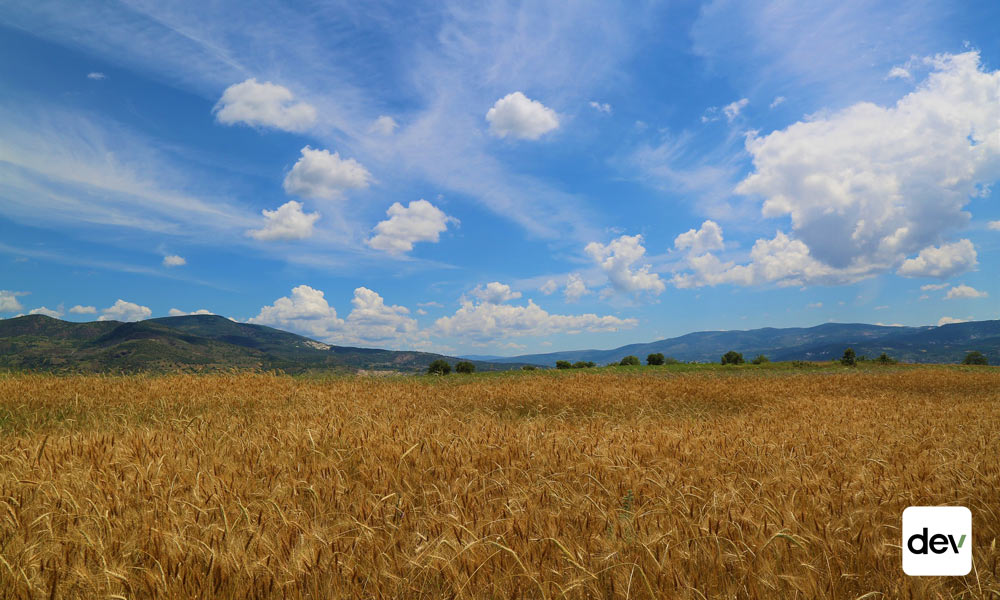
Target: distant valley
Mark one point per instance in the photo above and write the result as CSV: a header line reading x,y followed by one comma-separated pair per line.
x,y
209,342
944,344
195,342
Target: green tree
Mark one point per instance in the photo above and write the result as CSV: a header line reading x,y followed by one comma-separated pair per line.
x,y
975,358
465,367
629,360
564,364
583,364
760,359
849,358
439,367
529,368
885,359
655,359
732,358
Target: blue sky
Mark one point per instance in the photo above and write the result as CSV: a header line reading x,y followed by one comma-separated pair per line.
x,y
498,178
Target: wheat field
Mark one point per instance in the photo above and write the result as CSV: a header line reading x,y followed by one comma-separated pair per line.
x,y
641,483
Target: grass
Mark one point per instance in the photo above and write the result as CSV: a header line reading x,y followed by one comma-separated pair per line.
x,y
627,483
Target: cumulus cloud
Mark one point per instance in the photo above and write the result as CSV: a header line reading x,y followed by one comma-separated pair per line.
x,y
495,293
549,287
782,260
899,73
420,221
485,321
964,291
288,222
949,320
933,286
307,311
994,225
384,125
575,288
732,110
96,76
263,105
79,309
604,108
616,260
48,312
324,176
520,117
125,311
705,238
943,261
172,260
372,320
9,301
176,312
778,101
869,185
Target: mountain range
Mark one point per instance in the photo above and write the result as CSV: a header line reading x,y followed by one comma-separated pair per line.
x,y
196,342
209,342
929,344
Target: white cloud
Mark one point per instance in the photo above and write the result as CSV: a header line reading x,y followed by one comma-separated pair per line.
x,y
732,110
75,169
778,101
305,310
9,301
488,321
782,260
616,259
288,222
994,225
949,320
867,186
604,108
549,287
431,304
964,291
518,116
814,305
370,320
48,312
83,310
96,76
263,105
575,288
321,175
943,261
125,311
420,221
707,237
899,73
933,286
384,125
173,260
176,312
495,293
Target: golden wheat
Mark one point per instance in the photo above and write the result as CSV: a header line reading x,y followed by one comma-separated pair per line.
x,y
579,485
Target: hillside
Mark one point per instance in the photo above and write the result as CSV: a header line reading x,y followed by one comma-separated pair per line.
x,y
944,344
201,342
